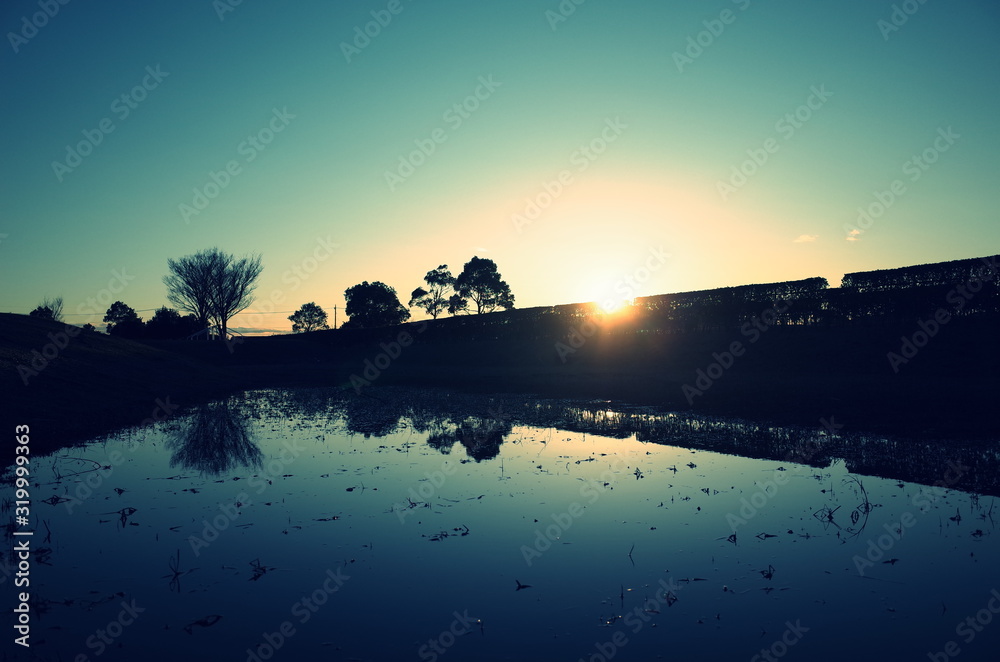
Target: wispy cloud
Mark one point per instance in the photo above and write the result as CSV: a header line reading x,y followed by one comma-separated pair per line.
x,y
247,330
854,235
805,238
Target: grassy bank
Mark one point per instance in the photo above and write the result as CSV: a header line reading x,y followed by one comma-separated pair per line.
x,y
68,388
795,375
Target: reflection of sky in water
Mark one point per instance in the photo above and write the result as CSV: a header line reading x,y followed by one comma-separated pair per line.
x,y
322,498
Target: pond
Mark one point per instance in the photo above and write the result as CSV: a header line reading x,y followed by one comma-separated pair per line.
x,y
426,525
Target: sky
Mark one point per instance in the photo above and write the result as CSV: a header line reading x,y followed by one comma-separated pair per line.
x,y
593,149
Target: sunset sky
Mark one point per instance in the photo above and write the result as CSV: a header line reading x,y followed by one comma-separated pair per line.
x,y
624,121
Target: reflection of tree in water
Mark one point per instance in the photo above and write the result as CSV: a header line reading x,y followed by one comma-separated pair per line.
x,y
440,414
481,436
216,439
304,402
372,417
440,435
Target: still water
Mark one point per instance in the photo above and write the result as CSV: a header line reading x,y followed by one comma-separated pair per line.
x,y
420,525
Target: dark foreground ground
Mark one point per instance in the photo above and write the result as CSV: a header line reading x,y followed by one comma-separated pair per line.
x,y
791,375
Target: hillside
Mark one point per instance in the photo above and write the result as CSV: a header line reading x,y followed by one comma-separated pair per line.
x,y
790,375
67,388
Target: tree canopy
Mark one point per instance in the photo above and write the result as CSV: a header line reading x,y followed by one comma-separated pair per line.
x,y
213,285
310,317
123,321
371,305
434,299
481,284
168,324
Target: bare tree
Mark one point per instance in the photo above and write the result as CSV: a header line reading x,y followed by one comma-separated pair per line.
x,y
50,309
189,283
233,286
213,285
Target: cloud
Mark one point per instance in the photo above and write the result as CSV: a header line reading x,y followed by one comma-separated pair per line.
x,y
805,238
248,330
854,235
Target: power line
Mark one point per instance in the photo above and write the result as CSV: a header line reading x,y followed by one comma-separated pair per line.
x,y
242,312
144,310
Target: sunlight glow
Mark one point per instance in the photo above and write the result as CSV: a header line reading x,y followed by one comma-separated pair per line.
x,y
613,305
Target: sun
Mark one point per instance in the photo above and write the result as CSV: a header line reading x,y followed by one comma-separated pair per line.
x,y
611,305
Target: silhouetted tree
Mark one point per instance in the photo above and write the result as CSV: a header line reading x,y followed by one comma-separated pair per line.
x,y
434,299
456,305
233,288
371,305
189,283
213,285
167,324
89,328
123,321
480,283
49,309
309,317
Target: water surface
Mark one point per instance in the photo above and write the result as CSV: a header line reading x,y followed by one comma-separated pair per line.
x,y
424,525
